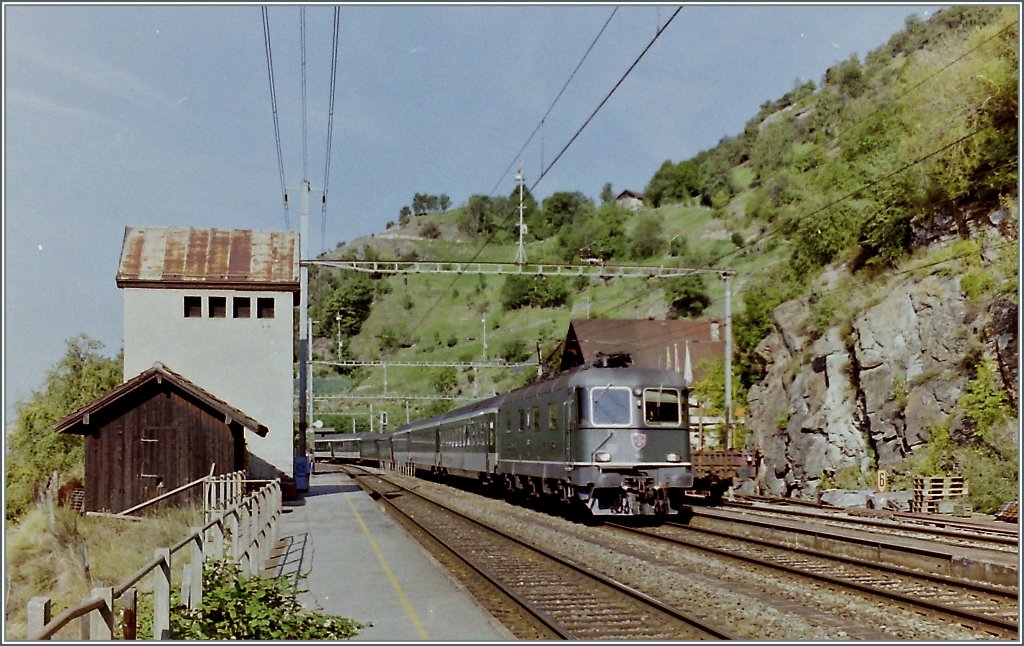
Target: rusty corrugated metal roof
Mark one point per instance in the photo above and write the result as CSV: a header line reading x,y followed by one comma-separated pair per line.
x,y
78,420
240,259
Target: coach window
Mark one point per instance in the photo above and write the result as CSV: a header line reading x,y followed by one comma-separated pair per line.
x,y
661,407
553,416
522,419
610,406
535,418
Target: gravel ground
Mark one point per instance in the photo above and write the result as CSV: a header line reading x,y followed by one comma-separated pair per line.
x,y
749,602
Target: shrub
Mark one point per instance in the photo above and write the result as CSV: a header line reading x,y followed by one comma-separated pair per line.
x,y
253,608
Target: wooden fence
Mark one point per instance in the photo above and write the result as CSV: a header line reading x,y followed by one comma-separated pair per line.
x,y
244,528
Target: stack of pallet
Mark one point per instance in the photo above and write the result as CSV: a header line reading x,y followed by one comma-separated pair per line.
x,y
1008,512
940,496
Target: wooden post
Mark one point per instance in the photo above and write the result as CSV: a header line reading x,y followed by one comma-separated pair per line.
x,y
162,595
129,602
195,598
216,532
38,614
233,528
102,630
186,583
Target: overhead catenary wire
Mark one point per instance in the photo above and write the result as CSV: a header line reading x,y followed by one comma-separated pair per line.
x,y
568,144
302,47
771,232
330,128
540,125
273,107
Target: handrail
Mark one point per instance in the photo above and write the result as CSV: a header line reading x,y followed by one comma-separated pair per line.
x,y
253,523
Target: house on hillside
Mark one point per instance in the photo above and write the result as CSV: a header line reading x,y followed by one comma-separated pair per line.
x,y
630,200
218,306
675,344
153,434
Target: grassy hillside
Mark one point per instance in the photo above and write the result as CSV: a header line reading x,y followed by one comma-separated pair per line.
x,y
850,170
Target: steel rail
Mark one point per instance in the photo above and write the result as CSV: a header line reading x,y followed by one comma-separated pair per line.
x,y
995,535
547,620
976,619
637,595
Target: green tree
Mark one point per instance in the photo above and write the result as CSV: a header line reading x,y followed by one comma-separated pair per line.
x,y
687,296
34,449
647,239
607,195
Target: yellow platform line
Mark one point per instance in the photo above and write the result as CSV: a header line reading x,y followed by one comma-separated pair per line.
x,y
390,574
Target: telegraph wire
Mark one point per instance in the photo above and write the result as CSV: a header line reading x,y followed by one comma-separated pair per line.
x,y
330,129
302,46
565,147
273,107
540,125
772,232
606,98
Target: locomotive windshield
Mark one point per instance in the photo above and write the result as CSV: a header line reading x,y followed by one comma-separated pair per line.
x,y
661,407
610,406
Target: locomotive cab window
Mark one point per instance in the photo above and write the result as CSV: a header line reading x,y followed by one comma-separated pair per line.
x,y
661,407
610,406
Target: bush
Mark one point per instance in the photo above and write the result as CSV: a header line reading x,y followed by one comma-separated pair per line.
x,y
253,608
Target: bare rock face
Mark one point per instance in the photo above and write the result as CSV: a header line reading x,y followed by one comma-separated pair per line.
x,y
877,385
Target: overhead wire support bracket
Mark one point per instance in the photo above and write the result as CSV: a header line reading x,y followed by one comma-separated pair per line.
x,y
508,268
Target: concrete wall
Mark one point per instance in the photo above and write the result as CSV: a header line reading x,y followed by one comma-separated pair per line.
x,y
245,362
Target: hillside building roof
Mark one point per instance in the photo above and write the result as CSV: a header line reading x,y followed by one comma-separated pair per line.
x,y
675,344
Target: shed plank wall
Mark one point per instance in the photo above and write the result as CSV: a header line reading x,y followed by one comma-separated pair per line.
x,y
190,439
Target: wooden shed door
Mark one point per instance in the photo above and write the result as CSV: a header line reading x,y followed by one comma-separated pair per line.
x,y
152,470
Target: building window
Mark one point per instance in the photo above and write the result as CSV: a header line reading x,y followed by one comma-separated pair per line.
x,y
264,308
193,307
241,307
218,307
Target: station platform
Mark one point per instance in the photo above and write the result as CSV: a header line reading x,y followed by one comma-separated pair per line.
x,y
347,557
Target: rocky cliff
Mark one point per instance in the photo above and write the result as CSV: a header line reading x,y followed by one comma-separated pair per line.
x,y
865,391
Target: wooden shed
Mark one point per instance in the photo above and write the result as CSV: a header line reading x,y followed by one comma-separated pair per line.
x,y
154,433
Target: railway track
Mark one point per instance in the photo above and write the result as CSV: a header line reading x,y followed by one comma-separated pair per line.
x,y
967,560
569,600
986,608
945,530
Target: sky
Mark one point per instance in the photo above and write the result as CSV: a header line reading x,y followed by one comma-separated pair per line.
x,y
160,115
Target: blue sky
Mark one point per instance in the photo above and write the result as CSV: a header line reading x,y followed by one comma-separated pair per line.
x,y
160,116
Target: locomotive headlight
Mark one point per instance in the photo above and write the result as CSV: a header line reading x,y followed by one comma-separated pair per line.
x,y
673,457
602,456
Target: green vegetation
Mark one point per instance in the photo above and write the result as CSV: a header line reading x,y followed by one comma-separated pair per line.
x,y
236,606
34,450
863,168
65,555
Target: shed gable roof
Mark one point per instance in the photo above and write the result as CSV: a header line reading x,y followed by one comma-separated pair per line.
x,y
186,257
77,422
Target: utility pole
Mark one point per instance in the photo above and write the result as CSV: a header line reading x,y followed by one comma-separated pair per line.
x,y
521,254
300,467
727,276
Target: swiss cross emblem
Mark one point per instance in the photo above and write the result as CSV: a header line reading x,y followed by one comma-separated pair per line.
x,y
639,440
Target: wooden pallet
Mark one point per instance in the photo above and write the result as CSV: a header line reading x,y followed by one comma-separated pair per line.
x,y
932,489
78,500
954,507
1008,512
